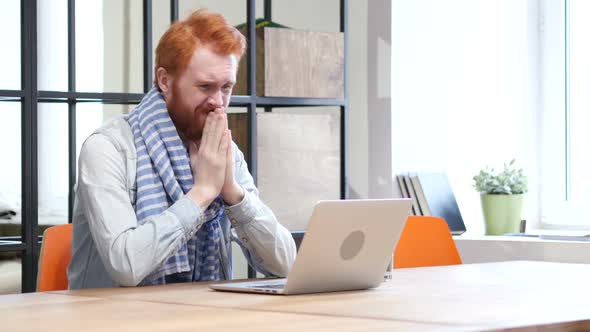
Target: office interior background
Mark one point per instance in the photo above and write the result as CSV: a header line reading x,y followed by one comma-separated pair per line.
x,y
451,85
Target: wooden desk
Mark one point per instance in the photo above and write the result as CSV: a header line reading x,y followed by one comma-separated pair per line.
x,y
518,294
122,315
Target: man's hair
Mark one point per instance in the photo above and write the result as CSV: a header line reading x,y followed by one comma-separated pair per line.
x,y
203,27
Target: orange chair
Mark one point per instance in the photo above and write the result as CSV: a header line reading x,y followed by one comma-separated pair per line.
x,y
425,241
55,255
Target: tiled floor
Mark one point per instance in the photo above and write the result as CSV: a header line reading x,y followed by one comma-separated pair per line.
x,y
10,276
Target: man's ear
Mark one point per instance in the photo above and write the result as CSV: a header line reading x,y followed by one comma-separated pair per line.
x,y
164,79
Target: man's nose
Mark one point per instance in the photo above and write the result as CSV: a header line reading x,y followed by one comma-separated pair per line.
x,y
215,100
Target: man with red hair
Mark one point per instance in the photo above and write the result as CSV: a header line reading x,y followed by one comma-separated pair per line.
x,y
163,190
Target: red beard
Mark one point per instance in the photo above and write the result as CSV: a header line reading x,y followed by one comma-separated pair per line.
x,y
188,122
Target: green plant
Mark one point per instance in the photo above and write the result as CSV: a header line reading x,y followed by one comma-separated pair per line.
x,y
510,181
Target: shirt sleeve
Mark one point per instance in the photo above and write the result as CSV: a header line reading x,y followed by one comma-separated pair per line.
x,y
129,251
267,245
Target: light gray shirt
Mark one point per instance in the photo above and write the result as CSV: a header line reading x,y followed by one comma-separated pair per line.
x,y
110,248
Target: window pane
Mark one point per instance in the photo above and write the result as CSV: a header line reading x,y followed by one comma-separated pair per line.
x,y
579,73
160,23
52,43
298,161
10,36
10,169
109,46
53,164
90,116
10,272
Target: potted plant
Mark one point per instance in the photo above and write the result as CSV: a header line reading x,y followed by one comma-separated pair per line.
x,y
502,196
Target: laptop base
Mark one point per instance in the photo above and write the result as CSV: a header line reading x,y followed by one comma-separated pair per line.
x,y
274,286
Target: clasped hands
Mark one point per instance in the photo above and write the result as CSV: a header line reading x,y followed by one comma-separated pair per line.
x,y
212,164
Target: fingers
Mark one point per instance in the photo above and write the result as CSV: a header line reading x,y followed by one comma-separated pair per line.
x,y
219,130
213,131
205,136
224,143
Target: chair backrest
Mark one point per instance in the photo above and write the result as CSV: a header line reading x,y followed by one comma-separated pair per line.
x,y
55,255
425,241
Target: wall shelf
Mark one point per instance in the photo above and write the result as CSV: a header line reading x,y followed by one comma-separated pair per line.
x,y
252,101
285,101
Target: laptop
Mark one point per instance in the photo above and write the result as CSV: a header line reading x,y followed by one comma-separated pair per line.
x,y
347,246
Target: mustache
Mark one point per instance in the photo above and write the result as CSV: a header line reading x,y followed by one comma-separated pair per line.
x,y
190,128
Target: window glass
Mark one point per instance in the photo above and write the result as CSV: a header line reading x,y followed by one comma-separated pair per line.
x,y
10,55
579,99
52,45
565,141
109,46
53,171
160,23
10,169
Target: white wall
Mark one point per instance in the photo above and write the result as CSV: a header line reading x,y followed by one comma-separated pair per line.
x,y
465,92
358,152
377,96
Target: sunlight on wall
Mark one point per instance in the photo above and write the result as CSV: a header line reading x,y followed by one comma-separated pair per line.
x,y
465,92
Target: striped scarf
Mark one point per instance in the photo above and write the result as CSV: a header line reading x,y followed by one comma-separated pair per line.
x,y
163,176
